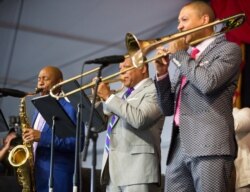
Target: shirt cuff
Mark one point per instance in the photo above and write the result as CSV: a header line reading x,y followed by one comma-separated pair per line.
x,y
159,78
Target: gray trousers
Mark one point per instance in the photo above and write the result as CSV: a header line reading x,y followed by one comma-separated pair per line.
x,y
197,174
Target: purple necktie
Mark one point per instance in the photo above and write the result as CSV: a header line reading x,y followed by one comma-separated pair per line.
x,y
114,119
128,92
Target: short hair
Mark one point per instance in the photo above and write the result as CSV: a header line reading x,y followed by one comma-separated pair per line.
x,y
203,8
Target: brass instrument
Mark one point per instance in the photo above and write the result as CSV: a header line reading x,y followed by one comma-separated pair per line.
x,y
137,49
108,79
113,91
21,156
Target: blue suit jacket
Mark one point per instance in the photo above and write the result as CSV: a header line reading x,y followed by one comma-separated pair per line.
x,y
64,153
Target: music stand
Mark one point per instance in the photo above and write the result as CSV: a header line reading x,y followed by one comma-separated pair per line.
x,y
4,128
50,107
99,123
3,123
61,124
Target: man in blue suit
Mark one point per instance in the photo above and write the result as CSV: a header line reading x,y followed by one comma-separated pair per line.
x,y
199,96
64,148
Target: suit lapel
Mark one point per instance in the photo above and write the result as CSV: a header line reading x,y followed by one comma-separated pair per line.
x,y
175,80
210,47
203,54
147,83
34,117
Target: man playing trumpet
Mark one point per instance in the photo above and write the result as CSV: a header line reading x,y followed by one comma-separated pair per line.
x,y
199,96
131,160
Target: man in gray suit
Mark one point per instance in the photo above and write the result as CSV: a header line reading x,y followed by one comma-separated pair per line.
x,y
131,159
199,96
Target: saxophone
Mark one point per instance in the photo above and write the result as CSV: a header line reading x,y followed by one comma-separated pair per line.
x,y
21,156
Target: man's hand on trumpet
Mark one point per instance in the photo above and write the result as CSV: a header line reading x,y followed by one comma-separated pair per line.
x,y
161,64
177,45
103,90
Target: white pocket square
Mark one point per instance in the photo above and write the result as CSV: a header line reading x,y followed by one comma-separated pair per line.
x,y
203,63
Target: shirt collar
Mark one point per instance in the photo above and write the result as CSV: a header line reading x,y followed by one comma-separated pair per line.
x,y
202,46
140,83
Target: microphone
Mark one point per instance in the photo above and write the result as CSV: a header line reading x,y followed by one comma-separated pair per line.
x,y
12,92
107,60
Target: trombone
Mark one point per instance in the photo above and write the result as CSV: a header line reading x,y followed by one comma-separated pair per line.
x,y
108,79
137,49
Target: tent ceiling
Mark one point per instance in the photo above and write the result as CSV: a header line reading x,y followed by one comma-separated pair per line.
x,y
65,33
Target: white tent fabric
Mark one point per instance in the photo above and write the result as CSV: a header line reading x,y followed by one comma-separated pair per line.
x,y
64,33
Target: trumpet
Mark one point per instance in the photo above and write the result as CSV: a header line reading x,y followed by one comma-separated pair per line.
x,y
137,49
113,91
109,79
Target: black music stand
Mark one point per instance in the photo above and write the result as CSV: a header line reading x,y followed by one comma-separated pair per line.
x,y
99,123
3,123
50,107
85,110
57,118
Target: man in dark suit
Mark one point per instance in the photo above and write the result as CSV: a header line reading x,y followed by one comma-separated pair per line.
x,y
199,96
64,148
132,155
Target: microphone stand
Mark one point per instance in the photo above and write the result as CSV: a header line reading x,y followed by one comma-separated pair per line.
x,y
91,134
76,180
51,179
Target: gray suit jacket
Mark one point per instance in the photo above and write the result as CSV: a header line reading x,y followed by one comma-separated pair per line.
x,y
134,155
206,121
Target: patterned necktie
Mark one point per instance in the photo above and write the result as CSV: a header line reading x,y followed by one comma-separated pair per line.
x,y
127,93
193,54
114,119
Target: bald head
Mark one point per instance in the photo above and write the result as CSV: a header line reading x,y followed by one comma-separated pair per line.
x,y
54,71
202,8
48,77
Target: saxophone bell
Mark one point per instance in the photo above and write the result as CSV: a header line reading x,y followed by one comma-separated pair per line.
x,y
18,156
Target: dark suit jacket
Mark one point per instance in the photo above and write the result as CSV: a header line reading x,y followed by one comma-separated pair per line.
x,y
206,121
64,153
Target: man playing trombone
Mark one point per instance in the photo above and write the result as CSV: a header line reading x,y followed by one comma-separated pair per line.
x,y
131,160
199,96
